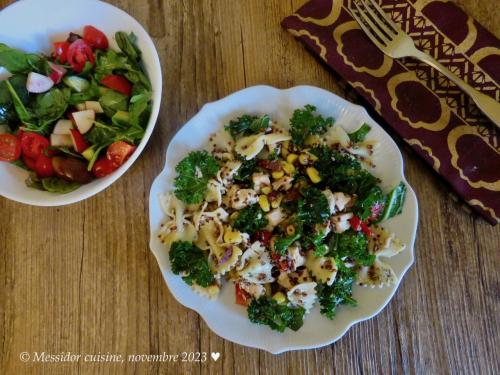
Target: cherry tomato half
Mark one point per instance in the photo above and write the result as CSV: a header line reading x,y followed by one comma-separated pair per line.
x,y
119,152
33,144
79,53
29,162
118,83
95,38
10,147
103,166
72,170
61,51
43,166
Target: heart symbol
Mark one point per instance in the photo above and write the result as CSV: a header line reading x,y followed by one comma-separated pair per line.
x,y
215,356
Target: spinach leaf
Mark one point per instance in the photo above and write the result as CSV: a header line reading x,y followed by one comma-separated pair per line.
x,y
112,101
269,312
139,108
304,123
58,185
360,134
188,258
127,44
49,107
25,115
92,93
250,219
16,61
8,113
107,62
194,171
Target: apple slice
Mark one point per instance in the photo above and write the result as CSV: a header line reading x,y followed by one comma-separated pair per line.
x,y
38,83
63,127
95,106
84,120
61,140
79,142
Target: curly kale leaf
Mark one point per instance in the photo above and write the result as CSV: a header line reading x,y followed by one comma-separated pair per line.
x,y
244,174
366,203
339,293
250,219
187,258
194,171
394,202
247,124
304,122
269,312
282,244
313,207
353,245
360,134
342,172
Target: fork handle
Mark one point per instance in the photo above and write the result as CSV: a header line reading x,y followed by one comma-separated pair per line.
x,y
489,106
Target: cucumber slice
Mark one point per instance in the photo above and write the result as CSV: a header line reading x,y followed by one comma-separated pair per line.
x,y
76,83
394,203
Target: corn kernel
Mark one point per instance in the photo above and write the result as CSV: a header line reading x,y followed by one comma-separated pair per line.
x,y
279,297
313,175
278,174
290,230
288,168
267,189
264,203
276,202
284,150
303,158
291,158
267,287
232,237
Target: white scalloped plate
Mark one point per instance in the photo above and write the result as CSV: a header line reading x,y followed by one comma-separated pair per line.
x,y
223,316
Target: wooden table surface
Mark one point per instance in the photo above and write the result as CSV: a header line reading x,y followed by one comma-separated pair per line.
x,y
81,278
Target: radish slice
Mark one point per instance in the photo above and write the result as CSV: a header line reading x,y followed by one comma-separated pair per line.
x,y
58,72
38,83
84,120
61,140
63,127
95,106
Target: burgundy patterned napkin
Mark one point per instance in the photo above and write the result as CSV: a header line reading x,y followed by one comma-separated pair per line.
x,y
427,110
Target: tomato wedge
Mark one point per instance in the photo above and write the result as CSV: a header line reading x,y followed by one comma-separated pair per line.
x,y
79,53
118,83
119,152
43,166
95,37
10,147
242,296
61,51
33,144
29,162
103,166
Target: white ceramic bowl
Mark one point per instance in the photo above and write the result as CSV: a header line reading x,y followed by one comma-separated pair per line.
x,y
223,316
32,25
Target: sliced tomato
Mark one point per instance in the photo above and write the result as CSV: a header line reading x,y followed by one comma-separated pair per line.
x,y
366,229
119,152
10,147
33,144
273,165
118,83
79,53
78,141
242,297
95,37
355,222
29,162
43,166
61,51
102,167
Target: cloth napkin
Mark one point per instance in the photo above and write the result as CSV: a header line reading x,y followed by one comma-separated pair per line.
x,y
423,107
